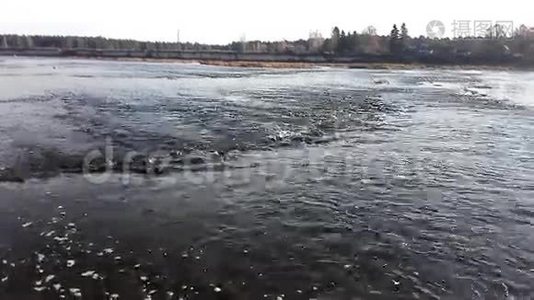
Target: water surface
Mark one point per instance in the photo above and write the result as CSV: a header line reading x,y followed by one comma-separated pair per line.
x,y
264,184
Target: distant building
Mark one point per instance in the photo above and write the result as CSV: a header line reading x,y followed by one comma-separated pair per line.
x,y
526,32
256,46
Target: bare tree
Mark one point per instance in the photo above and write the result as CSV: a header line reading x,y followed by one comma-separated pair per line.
x,y
369,30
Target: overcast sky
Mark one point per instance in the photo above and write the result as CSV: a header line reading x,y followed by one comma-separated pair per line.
x,y
222,21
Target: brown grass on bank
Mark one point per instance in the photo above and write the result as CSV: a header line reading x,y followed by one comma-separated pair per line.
x,y
307,65
259,64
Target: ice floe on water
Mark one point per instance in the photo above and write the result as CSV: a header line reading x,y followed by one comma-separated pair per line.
x,y
88,274
70,263
76,292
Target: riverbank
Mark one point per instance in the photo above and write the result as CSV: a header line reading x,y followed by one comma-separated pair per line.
x,y
362,65
265,60
303,65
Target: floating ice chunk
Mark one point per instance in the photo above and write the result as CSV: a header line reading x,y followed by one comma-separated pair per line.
x,y
76,292
114,296
57,286
39,288
70,263
49,278
4,279
143,278
60,239
40,257
27,224
217,289
88,274
108,250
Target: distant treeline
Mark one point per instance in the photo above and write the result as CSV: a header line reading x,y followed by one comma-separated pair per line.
x,y
396,47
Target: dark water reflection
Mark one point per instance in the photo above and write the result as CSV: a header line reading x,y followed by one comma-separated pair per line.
x,y
328,184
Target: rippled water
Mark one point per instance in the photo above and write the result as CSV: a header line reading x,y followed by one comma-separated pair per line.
x,y
264,184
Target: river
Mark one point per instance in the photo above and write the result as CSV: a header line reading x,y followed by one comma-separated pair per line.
x,y
138,180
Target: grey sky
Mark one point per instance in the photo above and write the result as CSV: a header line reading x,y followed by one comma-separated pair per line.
x,y
219,21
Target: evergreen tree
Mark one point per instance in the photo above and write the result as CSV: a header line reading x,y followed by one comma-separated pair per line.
x,y
335,33
394,33
334,39
342,45
404,32
394,38
404,37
